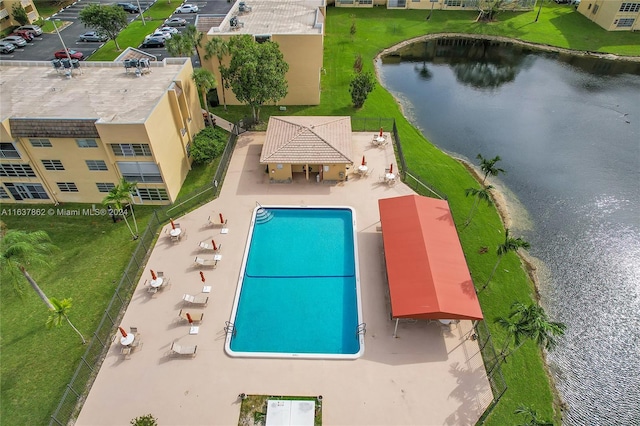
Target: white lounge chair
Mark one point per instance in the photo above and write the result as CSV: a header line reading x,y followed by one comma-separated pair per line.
x,y
195,300
196,316
205,262
207,245
177,349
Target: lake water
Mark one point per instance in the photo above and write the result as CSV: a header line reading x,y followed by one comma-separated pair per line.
x,y
568,131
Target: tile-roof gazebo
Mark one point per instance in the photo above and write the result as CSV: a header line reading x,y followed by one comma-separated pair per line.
x,y
316,147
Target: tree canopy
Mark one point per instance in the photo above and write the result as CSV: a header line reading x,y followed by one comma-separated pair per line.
x,y
360,86
205,81
109,20
19,14
256,72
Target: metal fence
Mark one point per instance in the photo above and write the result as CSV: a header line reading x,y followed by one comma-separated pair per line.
x,y
78,388
76,391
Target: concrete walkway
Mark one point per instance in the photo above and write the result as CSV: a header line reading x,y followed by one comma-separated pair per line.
x,y
429,375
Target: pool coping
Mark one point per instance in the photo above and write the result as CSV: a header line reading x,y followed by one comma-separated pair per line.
x,y
230,328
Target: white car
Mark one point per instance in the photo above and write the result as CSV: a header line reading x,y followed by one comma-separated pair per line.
x,y
159,34
187,8
169,30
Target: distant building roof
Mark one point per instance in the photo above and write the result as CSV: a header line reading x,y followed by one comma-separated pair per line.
x,y
307,140
133,53
98,90
267,17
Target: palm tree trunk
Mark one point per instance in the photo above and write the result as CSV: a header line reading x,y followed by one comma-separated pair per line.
x,y
495,267
84,342
124,216
206,107
473,209
36,288
224,97
135,222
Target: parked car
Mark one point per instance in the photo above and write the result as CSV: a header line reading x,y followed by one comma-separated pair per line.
x,y
128,7
159,34
6,47
61,54
17,41
26,35
169,30
187,8
175,22
153,42
33,29
93,36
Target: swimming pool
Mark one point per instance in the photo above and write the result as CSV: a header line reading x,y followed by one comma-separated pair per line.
x,y
298,291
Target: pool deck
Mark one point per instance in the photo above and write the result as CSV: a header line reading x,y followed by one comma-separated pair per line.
x,y
429,375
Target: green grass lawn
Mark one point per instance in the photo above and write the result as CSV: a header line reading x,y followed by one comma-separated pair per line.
x,y
36,363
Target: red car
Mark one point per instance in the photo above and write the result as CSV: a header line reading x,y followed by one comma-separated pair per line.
x,y
61,54
24,34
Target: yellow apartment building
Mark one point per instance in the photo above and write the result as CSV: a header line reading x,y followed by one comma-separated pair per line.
x,y
612,15
71,138
296,25
6,12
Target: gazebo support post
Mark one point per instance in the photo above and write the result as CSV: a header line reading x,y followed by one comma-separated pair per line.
x,y
395,330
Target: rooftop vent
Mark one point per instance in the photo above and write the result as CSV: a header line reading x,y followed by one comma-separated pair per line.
x,y
243,8
235,23
65,66
138,66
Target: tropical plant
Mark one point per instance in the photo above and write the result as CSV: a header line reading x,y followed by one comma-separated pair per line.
x,y
219,48
483,194
531,417
528,322
256,72
207,145
21,249
146,420
488,166
179,45
59,313
510,245
108,20
205,81
357,64
19,14
489,9
360,86
194,36
117,196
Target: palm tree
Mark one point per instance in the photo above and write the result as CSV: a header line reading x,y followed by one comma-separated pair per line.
x,y
528,322
205,80
118,194
194,36
21,249
531,416
219,48
179,45
488,167
510,244
479,194
60,312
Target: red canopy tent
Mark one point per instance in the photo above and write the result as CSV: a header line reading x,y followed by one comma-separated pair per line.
x,y
426,268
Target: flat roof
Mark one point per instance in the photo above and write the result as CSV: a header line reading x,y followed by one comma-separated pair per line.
x,y
268,17
100,90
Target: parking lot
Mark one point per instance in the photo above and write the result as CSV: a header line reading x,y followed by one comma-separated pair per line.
x,y
42,48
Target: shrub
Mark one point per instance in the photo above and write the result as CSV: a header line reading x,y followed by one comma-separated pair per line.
x,y
207,145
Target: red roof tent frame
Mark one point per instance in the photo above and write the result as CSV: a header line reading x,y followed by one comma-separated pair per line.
x,y
426,268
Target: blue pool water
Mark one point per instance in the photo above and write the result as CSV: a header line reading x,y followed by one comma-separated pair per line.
x,y
298,292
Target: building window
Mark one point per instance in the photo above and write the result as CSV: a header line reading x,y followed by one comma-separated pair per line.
x,y
595,9
16,170
105,186
3,193
188,149
40,143
67,187
8,150
98,165
630,7
28,191
625,22
138,171
52,164
262,38
87,143
456,3
153,194
131,149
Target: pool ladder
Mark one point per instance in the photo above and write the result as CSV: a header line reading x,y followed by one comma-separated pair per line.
x,y
361,329
229,328
263,215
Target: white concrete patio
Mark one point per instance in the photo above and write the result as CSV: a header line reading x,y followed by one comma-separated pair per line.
x,y
429,375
